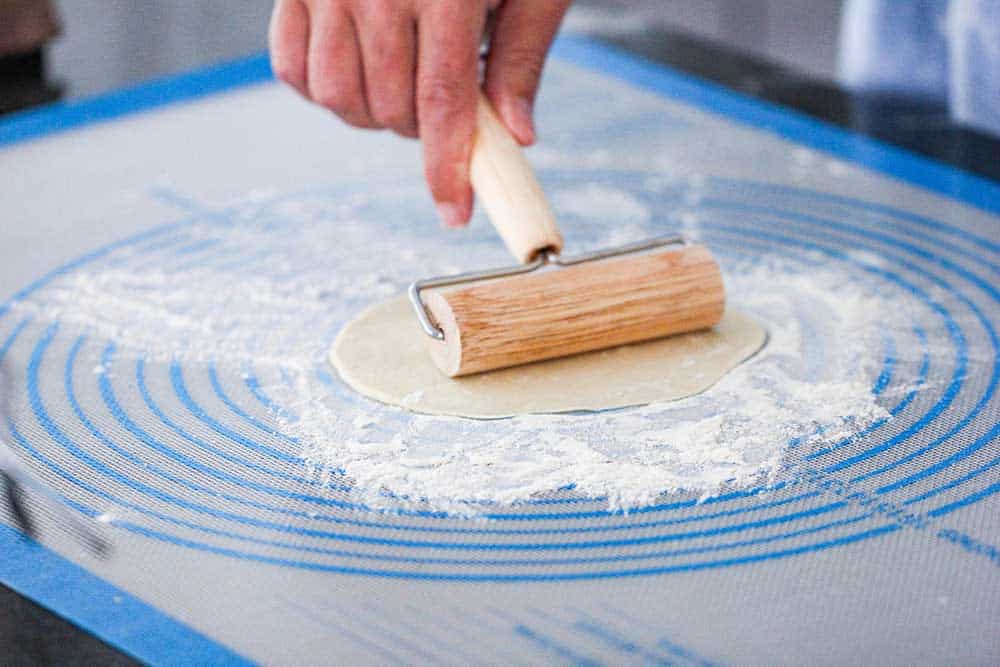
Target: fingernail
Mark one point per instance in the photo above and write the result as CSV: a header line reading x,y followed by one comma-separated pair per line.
x,y
450,214
521,121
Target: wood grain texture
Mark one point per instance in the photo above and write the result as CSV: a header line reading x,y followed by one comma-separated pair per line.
x,y
508,190
564,311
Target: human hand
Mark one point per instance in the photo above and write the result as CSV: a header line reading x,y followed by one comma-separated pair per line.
x,y
412,66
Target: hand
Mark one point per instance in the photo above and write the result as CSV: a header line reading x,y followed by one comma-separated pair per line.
x,y
412,66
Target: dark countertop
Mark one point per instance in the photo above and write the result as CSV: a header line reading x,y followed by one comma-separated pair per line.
x,y
911,124
32,635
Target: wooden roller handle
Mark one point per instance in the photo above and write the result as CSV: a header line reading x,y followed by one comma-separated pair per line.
x,y
509,191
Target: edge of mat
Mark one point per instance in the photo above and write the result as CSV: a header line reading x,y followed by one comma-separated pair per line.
x,y
62,116
912,168
127,622
938,177
119,618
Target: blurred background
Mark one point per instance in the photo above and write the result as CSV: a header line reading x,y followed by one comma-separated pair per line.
x,y
109,43
922,74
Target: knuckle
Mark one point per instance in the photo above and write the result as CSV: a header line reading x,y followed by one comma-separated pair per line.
x,y
391,114
376,11
442,93
337,99
285,70
384,58
527,61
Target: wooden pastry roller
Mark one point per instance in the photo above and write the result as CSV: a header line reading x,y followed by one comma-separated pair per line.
x,y
552,306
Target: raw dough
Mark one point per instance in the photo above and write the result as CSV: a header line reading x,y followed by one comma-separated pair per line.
x,y
383,355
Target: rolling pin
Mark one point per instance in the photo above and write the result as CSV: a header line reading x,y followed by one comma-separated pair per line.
x,y
552,306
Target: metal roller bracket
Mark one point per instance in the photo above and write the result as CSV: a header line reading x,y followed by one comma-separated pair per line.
x,y
546,258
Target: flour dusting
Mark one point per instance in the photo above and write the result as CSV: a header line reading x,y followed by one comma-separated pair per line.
x,y
262,288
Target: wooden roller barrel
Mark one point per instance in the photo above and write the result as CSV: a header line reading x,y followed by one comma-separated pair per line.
x,y
575,309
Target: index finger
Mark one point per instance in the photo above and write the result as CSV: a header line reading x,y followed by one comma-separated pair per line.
x,y
449,33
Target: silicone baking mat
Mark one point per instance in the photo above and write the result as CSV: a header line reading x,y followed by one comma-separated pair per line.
x,y
884,547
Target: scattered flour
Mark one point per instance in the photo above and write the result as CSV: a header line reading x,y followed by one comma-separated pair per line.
x,y
600,203
268,283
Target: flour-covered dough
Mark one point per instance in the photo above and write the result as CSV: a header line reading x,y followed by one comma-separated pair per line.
x,y
383,355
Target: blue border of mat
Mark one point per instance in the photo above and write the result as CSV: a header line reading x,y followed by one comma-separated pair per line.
x,y
872,153
192,85
115,616
143,631
904,165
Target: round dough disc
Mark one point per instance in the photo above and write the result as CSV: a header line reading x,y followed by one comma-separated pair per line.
x,y
383,355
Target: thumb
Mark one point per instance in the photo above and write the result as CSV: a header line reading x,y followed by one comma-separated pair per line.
x,y
523,31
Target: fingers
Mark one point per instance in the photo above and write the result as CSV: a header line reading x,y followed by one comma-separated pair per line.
x,y
335,77
388,51
288,36
413,67
523,32
449,33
